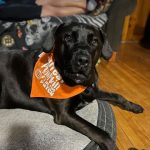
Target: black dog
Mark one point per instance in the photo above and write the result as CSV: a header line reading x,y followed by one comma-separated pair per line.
x,y
77,47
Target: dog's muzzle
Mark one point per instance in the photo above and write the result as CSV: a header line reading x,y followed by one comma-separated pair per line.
x,y
81,62
81,66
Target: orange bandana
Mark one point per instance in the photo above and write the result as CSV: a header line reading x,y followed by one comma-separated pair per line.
x,y
47,82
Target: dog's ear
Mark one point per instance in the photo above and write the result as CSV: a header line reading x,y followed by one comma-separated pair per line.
x,y
106,48
49,40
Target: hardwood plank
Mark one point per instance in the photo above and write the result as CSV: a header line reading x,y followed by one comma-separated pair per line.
x,y
123,141
129,76
133,130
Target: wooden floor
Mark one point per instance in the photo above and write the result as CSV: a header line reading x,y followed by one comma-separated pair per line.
x,y
130,76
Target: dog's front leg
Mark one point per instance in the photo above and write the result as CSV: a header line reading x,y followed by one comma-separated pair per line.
x,y
120,101
77,123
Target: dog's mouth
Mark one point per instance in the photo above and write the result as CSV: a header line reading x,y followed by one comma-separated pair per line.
x,y
75,78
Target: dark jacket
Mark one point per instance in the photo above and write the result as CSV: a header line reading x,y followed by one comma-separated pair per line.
x,y
19,10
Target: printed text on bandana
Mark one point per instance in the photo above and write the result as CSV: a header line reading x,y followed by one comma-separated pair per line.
x,y
49,77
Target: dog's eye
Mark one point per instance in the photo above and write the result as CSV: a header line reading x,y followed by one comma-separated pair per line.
x,y
94,42
67,37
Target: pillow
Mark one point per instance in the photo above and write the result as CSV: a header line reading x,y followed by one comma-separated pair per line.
x,y
30,34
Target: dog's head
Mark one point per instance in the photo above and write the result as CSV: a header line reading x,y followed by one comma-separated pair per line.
x,y
77,48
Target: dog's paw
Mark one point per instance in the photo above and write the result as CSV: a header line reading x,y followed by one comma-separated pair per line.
x,y
135,108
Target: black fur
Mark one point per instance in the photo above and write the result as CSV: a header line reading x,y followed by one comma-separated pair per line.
x,y
77,48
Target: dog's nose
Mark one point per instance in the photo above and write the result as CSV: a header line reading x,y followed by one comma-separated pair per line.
x,y
82,61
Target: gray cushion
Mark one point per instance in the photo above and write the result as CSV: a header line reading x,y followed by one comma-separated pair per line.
x,y
28,130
